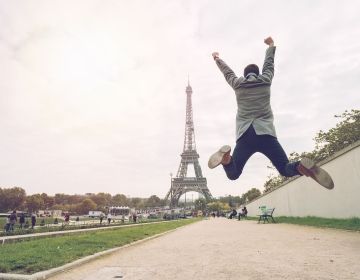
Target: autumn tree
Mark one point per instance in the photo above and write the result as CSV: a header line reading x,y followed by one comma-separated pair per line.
x,y
11,198
233,201
85,206
327,143
119,200
218,206
34,203
153,201
61,198
48,200
102,199
250,195
200,204
137,202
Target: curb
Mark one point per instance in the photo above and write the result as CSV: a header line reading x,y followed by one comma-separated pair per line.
x,y
53,271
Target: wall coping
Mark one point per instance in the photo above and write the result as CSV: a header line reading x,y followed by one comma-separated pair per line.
x,y
330,158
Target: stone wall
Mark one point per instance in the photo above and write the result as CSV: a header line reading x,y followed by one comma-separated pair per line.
x,y
302,196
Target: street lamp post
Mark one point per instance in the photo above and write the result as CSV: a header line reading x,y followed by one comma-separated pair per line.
x,y
185,200
171,190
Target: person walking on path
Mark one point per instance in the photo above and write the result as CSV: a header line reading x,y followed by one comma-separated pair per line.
x,y
33,220
22,220
7,224
109,218
13,220
255,131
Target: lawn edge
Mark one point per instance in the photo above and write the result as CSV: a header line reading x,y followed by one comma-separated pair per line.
x,y
56,270
252,218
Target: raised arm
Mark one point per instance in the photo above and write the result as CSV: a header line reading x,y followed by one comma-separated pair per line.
x,y
268,67
229,74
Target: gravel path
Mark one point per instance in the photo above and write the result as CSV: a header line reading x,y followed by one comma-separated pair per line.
x,y
229,249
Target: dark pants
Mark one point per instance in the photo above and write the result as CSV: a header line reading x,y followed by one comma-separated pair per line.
x,y
250,143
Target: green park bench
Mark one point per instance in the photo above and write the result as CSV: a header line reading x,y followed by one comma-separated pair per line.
x,y
266,213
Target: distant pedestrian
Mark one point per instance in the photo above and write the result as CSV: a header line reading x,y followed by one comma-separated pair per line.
x,y
13,220
33,220
134,217
109,218
101,218
243,213
22,220
67,218
7,224
233,214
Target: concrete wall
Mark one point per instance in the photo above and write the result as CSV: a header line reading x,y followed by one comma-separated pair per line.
x,y
304,197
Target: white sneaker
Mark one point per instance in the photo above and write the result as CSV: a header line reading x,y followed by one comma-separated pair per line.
x,y
308,168
217,158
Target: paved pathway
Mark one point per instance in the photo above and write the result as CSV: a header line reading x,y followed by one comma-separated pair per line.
x,y
229,249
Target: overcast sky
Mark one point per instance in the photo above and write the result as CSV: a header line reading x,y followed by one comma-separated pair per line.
x,y
92,93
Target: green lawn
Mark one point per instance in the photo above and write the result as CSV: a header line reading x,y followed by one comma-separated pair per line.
x,y
347,224
31,256
49,227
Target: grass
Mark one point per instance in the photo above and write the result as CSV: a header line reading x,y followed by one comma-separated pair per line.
x,y
49,227
347,224
36,255
38,221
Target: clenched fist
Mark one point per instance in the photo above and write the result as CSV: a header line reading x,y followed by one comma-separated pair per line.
x,y
215,55
269,41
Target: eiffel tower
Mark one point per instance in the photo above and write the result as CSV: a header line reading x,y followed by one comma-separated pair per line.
x,y
182,184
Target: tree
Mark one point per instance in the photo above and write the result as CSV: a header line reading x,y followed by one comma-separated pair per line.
x,y
200,204
119,200
11,198
85,206
34,203
218,206
102,199
345,133
273,182
63,207
153,201
251,194
48,200
233,201
61,198
137,202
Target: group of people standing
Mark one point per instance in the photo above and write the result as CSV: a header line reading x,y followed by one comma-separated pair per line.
x,y
13,218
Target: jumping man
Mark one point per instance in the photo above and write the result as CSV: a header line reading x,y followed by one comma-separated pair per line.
x,y
255,131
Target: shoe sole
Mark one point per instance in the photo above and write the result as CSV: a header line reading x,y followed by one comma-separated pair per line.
x,y
216,158
321,176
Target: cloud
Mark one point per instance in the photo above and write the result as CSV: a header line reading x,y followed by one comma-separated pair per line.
x,y
93,93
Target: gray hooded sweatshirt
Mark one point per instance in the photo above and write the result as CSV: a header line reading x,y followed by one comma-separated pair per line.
x,y
253,97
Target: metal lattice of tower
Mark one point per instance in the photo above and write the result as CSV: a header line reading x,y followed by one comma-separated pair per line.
x,y
182,184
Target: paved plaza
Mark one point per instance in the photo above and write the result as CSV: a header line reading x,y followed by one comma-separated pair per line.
x,y
229,249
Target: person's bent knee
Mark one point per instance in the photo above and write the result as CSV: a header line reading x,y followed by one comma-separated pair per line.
x,y
233,176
